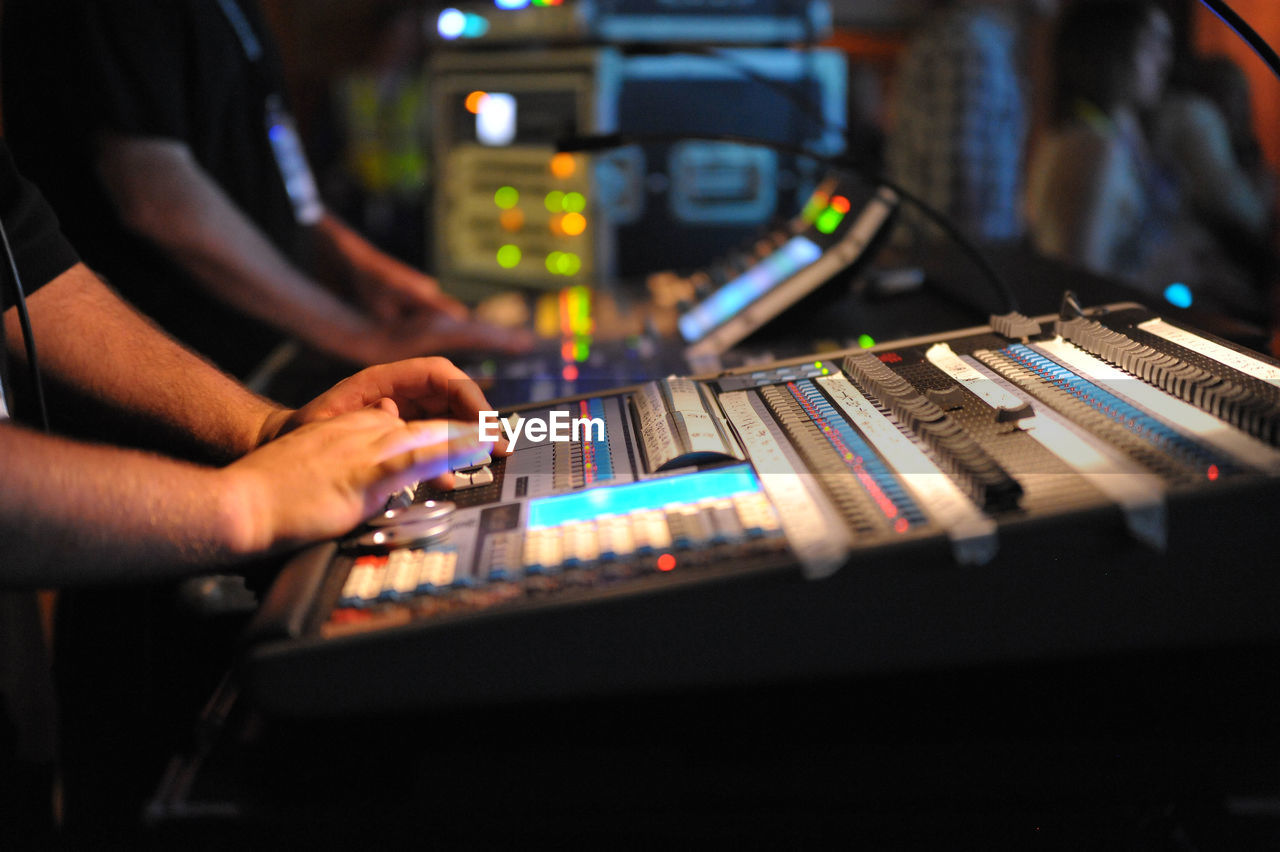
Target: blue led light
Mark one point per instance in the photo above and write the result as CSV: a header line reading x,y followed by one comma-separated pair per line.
x,y
451,23
638,496
511,4
724,304
1178,295
1185,448
474,26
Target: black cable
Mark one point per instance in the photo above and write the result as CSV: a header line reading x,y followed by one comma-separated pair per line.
x,y
605,141
1241,27
28,339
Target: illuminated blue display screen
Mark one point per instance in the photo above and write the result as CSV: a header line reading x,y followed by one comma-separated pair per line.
x,y
725,303
639,496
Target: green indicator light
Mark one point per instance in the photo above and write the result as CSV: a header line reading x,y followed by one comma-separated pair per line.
x,y
506,197
508,256
829,220
817,365
553,262
569,264
554,201
581,351
574,202
866,341
579,309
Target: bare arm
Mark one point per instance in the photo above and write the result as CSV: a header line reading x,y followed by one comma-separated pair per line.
x,y
77,513
396,292
93,343
73,513
163,194
388,287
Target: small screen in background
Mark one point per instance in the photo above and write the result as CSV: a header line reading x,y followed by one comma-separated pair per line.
x,y
496,119
725,303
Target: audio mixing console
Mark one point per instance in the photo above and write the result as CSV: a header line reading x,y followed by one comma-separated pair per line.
x,y
1094,484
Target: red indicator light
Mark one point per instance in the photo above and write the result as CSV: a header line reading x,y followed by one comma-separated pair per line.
x,y
900,525
889,357
570,373
840,204
666,562
1213,473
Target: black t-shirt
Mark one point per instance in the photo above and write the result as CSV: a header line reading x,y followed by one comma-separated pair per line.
x,y
197,71
26,698
40,251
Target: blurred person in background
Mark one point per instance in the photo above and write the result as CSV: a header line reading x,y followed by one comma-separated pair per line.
x,y
1098,195
161,132
960,114
1203,131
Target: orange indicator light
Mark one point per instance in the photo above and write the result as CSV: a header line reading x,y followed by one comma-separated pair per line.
x,y
573,224
563,165
511,220
473,101
666,562
840,204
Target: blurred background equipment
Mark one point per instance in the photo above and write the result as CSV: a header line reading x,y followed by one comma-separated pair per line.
x,y
636,21
510,211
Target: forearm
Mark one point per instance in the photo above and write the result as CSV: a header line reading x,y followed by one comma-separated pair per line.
x,y
93,343
385,286
73,513
166,197
338,242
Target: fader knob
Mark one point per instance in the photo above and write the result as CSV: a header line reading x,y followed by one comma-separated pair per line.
x,y
418,513
406,535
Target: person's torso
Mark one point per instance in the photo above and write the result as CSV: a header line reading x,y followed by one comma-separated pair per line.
x,y
209,68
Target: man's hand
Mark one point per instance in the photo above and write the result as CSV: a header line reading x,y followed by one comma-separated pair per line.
x,y
409,314
428,334
416,389
324,478
391,290
385,287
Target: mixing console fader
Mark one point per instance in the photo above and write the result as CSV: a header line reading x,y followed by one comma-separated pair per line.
x,y
957,499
